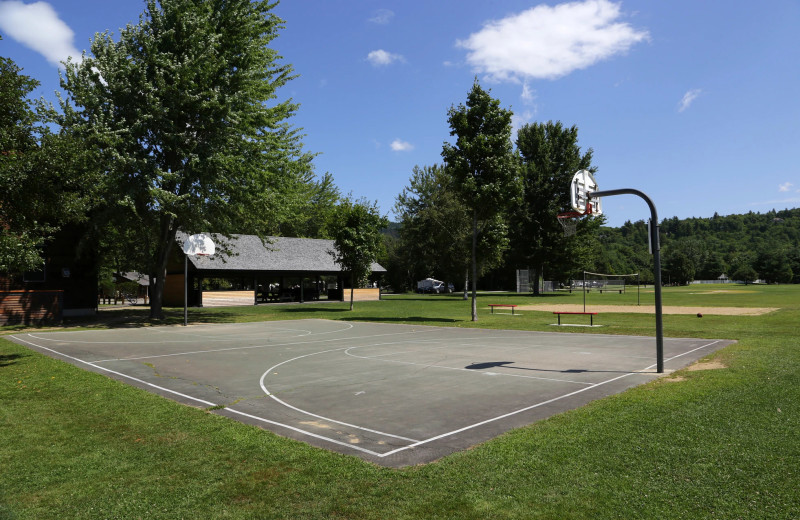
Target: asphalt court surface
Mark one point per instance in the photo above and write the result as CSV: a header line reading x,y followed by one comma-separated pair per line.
x,y
392,394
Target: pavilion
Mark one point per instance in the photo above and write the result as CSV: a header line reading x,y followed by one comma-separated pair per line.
x,y
247,271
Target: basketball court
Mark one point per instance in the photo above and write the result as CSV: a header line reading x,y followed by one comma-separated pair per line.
x,y
391,394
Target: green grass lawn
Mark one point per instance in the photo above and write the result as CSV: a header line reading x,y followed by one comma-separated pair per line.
x,y
719,443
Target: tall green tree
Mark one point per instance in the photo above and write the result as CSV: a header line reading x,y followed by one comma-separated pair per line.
x,y
357,239
483,166
184,108
436,229
313,208
550,156
742,266
424,224
683,258
773,264
45,176
679,266
713,266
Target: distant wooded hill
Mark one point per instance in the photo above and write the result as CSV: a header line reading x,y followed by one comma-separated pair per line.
x,y
748,247
743,247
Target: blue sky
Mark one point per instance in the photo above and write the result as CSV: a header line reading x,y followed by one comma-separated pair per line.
x,y
693,102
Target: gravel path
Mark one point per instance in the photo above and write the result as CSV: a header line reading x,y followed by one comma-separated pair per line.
x,y
725,311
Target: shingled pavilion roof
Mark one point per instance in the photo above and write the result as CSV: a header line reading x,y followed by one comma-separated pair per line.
x,y
280,254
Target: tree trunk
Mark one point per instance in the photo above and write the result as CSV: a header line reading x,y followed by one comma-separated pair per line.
x,y
156,296
158,278
466,283
474,265
533,277
352,286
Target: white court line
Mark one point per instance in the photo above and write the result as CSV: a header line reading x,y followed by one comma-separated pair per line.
x,y
355,447
347,352
229,349
440,344
208,403
94,364
238,335
202,401
189,333
428,365
310,434
687,352
156,342
287,405
537,405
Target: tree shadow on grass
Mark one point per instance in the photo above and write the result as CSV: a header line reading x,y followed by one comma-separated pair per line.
x,y
10,359
313,309
427,298
135,318
460,296
348,316
523,295
405,319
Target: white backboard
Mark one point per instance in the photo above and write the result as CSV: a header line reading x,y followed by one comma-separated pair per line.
x,y
199,245
582,184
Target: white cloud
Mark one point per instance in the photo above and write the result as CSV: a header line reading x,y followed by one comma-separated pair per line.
x,y
382,16
38,27
399,145
790,200
689,98
381,57
550,42
528,95
786,186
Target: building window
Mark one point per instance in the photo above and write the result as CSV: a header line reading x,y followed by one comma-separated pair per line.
x,y
35,276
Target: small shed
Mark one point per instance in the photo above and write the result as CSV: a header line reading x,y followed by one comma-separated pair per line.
x,y
65,286
284,269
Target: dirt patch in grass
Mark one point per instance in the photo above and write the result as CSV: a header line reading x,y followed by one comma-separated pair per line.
x,y
700,365
645,309
724,291
706,365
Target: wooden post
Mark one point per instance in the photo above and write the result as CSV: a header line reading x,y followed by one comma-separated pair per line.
x,y
302,289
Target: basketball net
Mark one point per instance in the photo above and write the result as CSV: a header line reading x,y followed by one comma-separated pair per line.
x,y
569,220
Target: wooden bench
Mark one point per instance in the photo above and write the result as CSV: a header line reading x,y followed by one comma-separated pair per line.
x,y
590,314
493,305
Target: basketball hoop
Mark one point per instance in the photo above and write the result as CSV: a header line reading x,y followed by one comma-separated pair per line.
x,y
199,245
195,245
569,220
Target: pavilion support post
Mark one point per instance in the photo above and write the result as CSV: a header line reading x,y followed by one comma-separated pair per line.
x,y
302,288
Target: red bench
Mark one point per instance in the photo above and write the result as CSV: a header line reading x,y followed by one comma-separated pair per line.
x,y
493,305
590,314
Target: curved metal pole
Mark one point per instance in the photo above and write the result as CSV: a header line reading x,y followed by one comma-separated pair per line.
x,y
185,289
656,264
